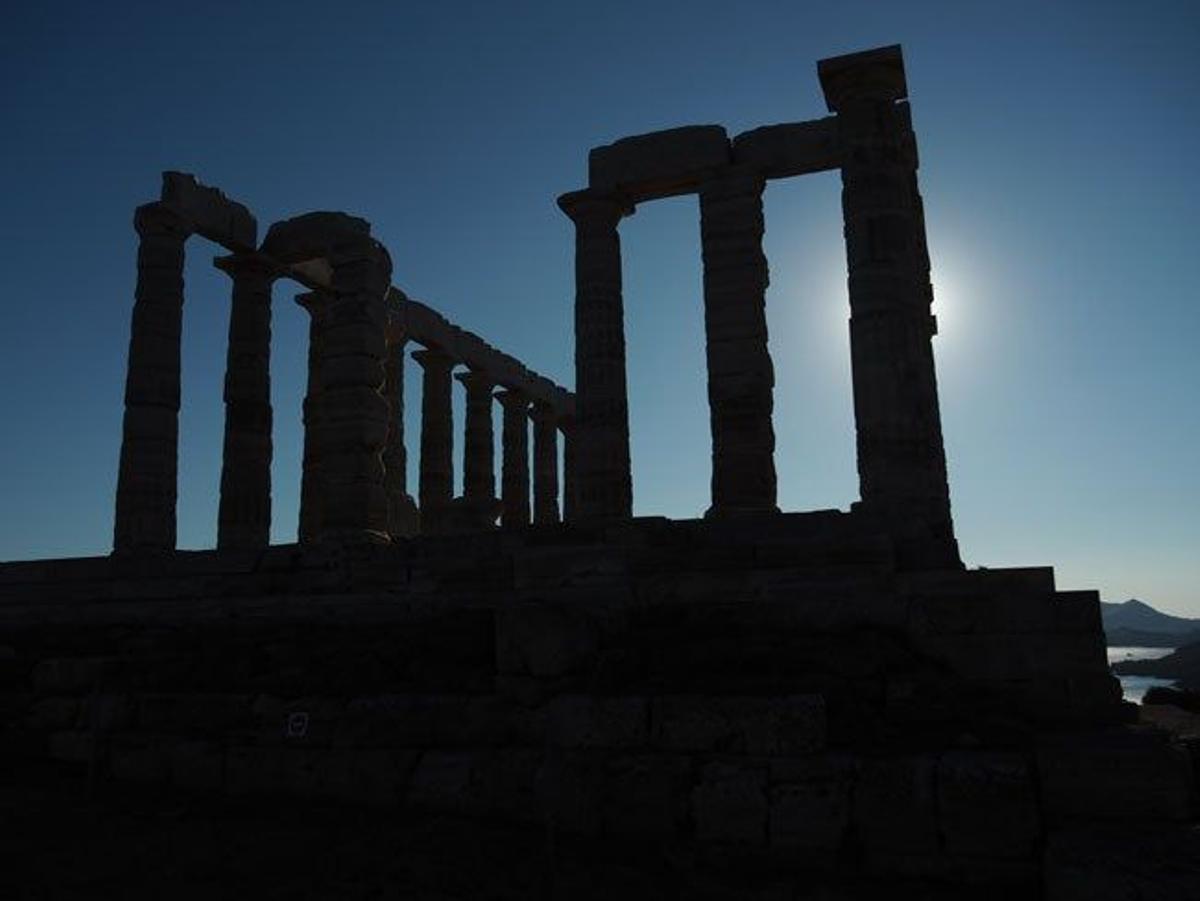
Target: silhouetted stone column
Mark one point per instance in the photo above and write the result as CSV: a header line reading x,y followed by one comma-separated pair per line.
x,y
436,488
244,518
311,492
353,422
901,460
514,473
479,447
146,480
545,464
403,519
740,375
603,488
567,427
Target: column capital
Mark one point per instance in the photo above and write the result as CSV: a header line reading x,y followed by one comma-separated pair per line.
x,y
512,398
432,358
594,207
312,301
476,380
876,75
250,266
158,220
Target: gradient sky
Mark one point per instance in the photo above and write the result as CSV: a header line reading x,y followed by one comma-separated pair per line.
x,y
1058,146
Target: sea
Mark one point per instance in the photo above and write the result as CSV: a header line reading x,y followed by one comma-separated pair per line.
x,y
1135,687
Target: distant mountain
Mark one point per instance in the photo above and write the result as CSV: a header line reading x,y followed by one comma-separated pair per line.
x,y
1137,623
1183,665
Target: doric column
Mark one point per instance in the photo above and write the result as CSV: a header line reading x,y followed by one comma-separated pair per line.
x,y
901,460
403,520
566,425
146,480
514,473
545,464
436,488
740,375
604,487
244,518
479,466
311,492
353,421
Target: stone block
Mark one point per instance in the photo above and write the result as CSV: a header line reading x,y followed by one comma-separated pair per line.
x,y
1119,862
1114,776
52,714
70,675
209,212
251,769
775,726
539,568
730,803
1077,611
570,789
143,759
646,796
584,721
544,640
987,804
810,802
376,776
71,746
302,771
197,765
793,148
981,613
661,163
506,782
443,781
895,807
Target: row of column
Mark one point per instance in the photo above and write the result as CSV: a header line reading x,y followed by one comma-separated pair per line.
x,y
479,506
901,461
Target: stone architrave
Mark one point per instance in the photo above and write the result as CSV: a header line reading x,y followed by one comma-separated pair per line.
x,y
603,487
901,459
146,482
436,488
244,517
403,518
479,446
741,378
514,473
545,464
310,478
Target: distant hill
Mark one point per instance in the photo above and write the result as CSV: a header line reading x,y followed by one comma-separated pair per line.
x,y
1183,665
1137,623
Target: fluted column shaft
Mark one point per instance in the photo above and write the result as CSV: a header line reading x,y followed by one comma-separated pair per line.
x,y
741,378
901,459
244,517
514,473
353,422
545,465
604,488
311,492
402,511
147,487
436,488
567,427
479,443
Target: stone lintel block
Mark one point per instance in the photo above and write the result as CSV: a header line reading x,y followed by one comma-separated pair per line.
x,y
895,806
1114,776
876,74
210,212
661,163
793,148
775,726
646,796
585,721
729,805
1077,611
321,235
987,804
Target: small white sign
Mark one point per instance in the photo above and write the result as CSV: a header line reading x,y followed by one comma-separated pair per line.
x,y
297,725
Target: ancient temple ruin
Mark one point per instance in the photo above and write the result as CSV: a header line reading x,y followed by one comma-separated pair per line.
x,y
828,696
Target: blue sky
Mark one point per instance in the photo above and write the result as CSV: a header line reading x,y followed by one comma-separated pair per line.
x,y
1057,145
